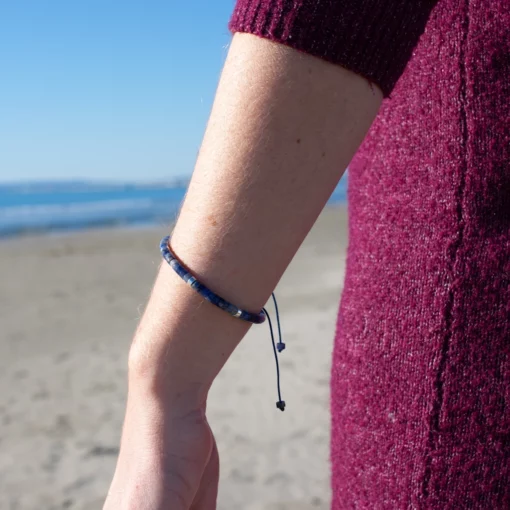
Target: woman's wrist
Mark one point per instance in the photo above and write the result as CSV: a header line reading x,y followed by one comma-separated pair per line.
x,y
163,377
182,342
154,388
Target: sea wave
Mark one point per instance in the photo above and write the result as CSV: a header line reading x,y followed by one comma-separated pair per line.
x,y
28,219
19,211
51,208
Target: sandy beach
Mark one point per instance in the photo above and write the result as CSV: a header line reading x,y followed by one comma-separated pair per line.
x,y
68,309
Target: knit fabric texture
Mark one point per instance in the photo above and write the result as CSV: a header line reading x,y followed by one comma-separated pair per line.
x,y
420,388
421,369
374,38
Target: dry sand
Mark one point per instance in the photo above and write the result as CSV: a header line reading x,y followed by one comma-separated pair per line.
x,y
68,308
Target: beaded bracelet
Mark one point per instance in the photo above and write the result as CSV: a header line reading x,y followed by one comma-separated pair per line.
x,y
183,272
234,311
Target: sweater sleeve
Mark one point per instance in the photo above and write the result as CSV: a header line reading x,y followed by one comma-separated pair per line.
x,y
373,38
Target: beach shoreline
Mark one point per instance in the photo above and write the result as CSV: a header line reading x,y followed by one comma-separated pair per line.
x,y
69,307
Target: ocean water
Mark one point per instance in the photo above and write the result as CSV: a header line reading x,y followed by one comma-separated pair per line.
x,y
59,206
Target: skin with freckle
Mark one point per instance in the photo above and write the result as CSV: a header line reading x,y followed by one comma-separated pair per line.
x,y
253,198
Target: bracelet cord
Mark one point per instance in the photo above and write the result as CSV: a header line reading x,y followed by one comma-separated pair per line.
x,y
234,311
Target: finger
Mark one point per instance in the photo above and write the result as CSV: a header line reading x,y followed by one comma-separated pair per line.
x,y
207,494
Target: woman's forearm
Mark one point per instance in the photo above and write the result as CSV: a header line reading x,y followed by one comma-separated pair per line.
x,y
283,128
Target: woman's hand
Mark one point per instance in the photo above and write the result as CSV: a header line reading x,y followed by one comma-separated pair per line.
x,y
168,458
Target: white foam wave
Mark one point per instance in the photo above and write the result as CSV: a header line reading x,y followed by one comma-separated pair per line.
x,y
72,209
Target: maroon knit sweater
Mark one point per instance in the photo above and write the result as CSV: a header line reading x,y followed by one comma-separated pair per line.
x,y
420,389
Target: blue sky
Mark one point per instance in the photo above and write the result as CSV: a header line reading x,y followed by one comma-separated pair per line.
x,y
107,89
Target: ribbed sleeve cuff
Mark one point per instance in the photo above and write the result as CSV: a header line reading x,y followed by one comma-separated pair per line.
x,y
373,38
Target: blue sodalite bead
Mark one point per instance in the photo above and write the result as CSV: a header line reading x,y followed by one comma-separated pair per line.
x,y
209,295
